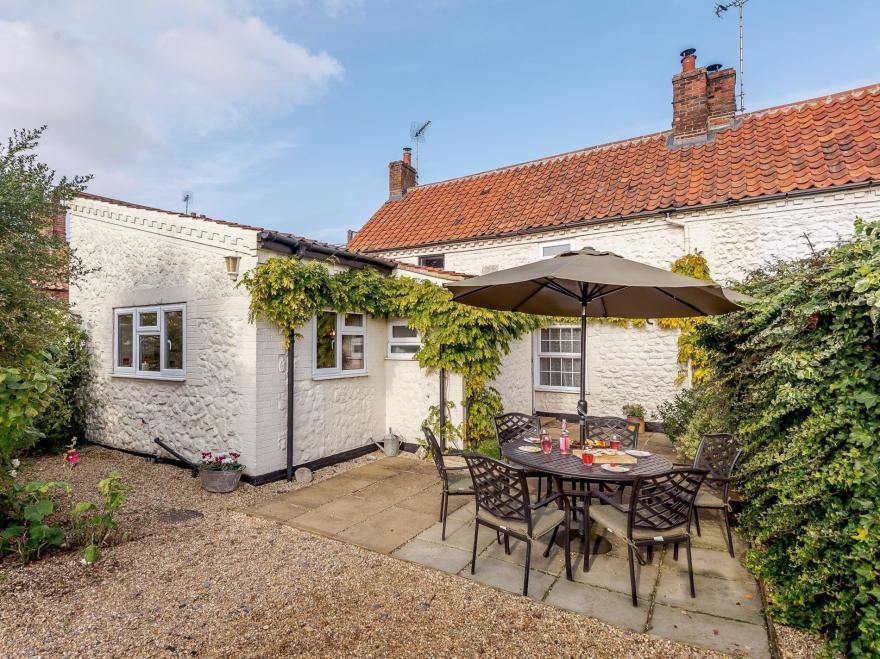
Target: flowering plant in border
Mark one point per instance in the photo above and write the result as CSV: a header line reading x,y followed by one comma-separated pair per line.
x,y
225,461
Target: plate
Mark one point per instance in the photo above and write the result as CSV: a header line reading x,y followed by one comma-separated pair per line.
x,y
638,454
533,440
529,449
615,469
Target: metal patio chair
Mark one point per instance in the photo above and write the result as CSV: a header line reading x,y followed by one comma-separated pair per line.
x,y
503,504
456,480
659,513
512,426
608,427
717,454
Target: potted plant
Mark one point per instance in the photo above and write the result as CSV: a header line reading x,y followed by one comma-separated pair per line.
x,y
220,472
635,414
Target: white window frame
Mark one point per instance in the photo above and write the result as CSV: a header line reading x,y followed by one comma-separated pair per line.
x,y
569,355
434,255
397,341
134,371
558,243
341,330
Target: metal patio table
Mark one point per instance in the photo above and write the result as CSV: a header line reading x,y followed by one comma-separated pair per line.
x,y
571,468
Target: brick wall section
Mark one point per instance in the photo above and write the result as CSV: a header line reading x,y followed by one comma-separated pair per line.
x,y
721,97
702,100
401,177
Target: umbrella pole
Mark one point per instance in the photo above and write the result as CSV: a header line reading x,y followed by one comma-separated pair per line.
x,y
582,402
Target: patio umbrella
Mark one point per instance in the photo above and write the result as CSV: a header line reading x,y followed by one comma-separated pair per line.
x,y
592,283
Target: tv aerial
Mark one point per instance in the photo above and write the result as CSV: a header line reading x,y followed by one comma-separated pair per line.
x,y
187,199
417,132
719,11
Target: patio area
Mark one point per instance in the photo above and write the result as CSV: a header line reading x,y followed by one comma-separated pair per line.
x,y
391,506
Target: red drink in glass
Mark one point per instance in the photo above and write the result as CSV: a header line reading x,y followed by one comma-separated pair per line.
x,y
615,444
546,443
587,458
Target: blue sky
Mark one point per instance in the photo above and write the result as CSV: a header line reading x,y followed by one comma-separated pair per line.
x,y
286,114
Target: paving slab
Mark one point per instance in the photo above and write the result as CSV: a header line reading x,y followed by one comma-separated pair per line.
x,y
433,533
612,573
352,508
368,535
509,577
321,523
430,554
737,600
606,605
311,497
709,631
401,519
554,564
709,562
463,536
279,510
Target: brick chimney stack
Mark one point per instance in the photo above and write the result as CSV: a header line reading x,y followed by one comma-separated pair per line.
x,y
703,100
401,175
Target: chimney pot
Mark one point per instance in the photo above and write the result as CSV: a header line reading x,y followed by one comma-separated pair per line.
x,y
407,155
712,68
688,59
401,175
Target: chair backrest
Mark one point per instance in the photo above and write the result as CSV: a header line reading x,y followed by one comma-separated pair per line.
x,y
662,502
515,425
436,452
607,427
500,489
717,454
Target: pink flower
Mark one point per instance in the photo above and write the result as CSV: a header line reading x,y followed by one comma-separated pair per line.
x,y
72,456
235,455
206,454
218,459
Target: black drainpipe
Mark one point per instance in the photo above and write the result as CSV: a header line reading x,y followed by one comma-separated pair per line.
x,y
290,356
442,404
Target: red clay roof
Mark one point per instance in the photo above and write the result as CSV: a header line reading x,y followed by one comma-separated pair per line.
x,y
813,144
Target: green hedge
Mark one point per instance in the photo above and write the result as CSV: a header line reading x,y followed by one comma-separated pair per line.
x,y
797,376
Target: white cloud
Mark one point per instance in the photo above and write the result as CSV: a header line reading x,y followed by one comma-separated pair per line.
x,y
140,93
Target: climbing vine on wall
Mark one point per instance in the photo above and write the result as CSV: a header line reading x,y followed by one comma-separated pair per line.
x,y
690,354
456,337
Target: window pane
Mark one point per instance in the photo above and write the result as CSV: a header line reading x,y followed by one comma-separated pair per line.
x,y
433,261
124,344
148,352
174,339
352,352
354,320
553,250
148,319
404,349
325,340
403,332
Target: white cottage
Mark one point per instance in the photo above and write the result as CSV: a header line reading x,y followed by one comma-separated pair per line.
x,y
743,189
176,358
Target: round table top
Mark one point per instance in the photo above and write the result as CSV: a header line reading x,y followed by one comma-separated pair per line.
x,y
571,466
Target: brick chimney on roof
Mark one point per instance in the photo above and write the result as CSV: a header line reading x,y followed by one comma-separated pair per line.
x,y
401,175
703,100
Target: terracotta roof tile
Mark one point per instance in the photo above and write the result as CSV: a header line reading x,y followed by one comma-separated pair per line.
x,y
812,144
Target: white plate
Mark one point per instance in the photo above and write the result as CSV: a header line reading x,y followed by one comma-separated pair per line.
x,y
615,469
529,449
638,454
533,440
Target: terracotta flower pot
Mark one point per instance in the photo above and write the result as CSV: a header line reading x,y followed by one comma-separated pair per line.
x,y
220,481
638,421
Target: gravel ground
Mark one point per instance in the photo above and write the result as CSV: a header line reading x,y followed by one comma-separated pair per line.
x,y
229,585
795,644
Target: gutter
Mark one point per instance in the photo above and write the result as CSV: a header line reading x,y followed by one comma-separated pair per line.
x,y
634,216
286,244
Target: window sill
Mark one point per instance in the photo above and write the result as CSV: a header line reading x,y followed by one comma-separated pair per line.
x,y
160,378
405,358
339,376
559,390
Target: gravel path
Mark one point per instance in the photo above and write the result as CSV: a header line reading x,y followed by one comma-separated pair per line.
x,y
230,585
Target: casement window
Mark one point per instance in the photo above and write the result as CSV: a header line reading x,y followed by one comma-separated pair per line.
x,y
558,358
339,345
433,260
403,341
150,342
548,250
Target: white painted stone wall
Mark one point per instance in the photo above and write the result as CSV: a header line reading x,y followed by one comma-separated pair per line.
x,y
145,257
639,365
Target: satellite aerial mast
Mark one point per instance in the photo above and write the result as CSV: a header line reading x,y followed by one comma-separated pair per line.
x,y
187,199
719,10
417,131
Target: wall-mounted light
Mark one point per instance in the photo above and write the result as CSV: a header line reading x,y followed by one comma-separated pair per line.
x,y
232,266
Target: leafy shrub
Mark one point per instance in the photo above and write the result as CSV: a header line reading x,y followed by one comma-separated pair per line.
x,y
26,509
93,525
634,409
693,412
799,371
